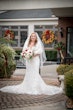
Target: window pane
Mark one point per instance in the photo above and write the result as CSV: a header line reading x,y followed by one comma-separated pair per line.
x,y
23,27
70,45
15,39
39,33
70,29
14,27
15,33
3,32
16,43
48,27
5,27
23,36
38,27
70,42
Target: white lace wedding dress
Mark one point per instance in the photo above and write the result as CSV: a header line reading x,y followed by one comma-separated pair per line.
x,y
32,83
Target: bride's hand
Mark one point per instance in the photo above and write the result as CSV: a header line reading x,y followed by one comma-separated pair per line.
x,y
36,55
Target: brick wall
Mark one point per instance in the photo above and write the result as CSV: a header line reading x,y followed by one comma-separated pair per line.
x,y
64,22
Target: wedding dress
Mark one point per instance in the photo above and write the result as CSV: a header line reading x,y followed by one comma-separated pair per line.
x,y
33,82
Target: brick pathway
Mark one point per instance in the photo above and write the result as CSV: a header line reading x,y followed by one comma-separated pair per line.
x,y
8,100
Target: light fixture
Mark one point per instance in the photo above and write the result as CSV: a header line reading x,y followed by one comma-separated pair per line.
x,y
61,30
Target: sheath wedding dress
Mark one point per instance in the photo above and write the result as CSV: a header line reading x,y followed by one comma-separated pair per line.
x,y
33,83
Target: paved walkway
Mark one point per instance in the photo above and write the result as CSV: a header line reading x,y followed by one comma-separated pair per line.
x,y
54,106
32,102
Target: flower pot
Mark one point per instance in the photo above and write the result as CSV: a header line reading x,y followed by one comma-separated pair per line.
x,y
69,104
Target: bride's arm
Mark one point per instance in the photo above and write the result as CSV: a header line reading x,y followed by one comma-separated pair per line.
x,y
37,52
36,55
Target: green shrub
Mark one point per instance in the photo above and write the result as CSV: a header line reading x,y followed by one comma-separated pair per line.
x,y
10,68
69,83
51,55
64,68
60,69
7,63
18,52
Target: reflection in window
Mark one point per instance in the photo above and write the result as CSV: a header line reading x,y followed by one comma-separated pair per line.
x,y
15,33
23,27
23,36
14,27
15,39
5,27
15,44
3,32
70,30
70,42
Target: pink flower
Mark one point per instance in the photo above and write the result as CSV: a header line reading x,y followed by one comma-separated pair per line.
x,y
27,54
26,50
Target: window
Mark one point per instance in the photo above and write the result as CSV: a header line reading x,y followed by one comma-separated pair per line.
x,y
15,39
70,41
5,27
23,37
23,27
14,27
3,32
39,33
20,33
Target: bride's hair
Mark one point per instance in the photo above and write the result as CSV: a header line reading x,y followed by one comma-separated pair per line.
x,y
35,39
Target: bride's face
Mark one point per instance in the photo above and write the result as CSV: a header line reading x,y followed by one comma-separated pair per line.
x,y
33,37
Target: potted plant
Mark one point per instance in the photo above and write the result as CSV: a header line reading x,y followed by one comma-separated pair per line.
x,y
60,47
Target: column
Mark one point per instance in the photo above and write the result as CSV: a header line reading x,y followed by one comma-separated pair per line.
x,y
30,29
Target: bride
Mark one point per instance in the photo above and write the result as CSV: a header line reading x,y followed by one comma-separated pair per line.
x,y
33,83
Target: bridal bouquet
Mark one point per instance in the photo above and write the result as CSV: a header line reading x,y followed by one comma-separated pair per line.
x,y
27,54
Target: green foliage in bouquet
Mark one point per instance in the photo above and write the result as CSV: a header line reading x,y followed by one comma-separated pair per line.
x,y
69,84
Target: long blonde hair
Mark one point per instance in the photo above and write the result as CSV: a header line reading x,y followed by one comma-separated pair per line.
x,y
30,39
